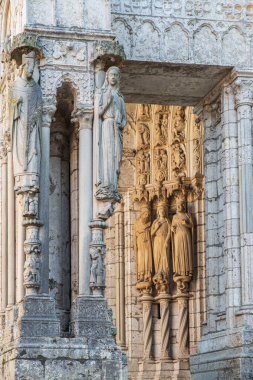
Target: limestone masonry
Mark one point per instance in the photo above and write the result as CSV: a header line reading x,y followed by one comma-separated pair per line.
x,y
126,178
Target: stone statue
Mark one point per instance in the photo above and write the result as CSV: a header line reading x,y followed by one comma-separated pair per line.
x,y
26,107
182,229
112,120
143,246
161,234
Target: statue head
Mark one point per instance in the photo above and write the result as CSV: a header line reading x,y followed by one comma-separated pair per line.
x,y
145,212
162,209
180,203
113,76
28,63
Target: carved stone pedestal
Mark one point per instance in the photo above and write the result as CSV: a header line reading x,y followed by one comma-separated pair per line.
x,y
88,311
35,350
92,320
37,317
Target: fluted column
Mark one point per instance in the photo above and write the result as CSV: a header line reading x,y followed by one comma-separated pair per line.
x,y
85,117
243,103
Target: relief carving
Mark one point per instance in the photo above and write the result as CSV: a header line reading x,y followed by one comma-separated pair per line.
x,y
143,139
143,168
161,165
178,159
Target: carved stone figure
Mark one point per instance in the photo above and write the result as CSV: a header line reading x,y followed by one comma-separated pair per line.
x,y
161,234
143,247
97,271
112,120
26,107
143,136
182,228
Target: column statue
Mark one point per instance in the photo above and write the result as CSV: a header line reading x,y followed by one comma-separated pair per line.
x,y
112,120
182,243
26,108
143,246
161,235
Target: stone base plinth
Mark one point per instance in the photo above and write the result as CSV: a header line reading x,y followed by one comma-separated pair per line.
x,y
61,358
224,356
91,318
36,351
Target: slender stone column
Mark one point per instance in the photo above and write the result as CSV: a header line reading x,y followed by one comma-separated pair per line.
x,y
74,213
1,146
244,103
183,326
85,117
120,275
11,228
164,300
231,204
20,255
48,112
55,215
147,300
4,231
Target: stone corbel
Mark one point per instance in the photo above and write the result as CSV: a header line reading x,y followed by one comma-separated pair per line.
x,y
243,91
22,43
107,53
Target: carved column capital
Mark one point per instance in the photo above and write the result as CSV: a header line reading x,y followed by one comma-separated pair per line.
x,y
84,116
3,151
243,91
48,112
7,141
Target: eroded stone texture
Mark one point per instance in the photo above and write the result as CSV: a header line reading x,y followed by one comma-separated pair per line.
x,y
54,320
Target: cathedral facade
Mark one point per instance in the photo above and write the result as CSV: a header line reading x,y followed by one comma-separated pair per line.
x,y
126,161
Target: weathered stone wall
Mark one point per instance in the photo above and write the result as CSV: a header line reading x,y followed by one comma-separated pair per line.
x,y
197,32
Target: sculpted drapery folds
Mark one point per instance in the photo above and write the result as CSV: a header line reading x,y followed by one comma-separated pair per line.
x,y
112,120
161,235
26,107
182,228
143,246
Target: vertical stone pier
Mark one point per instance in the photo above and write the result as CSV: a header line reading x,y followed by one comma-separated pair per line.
x,y
224,349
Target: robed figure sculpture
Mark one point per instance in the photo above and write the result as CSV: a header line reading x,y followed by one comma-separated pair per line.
x,y
112,120
182,238
26,108
143,246
161,235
